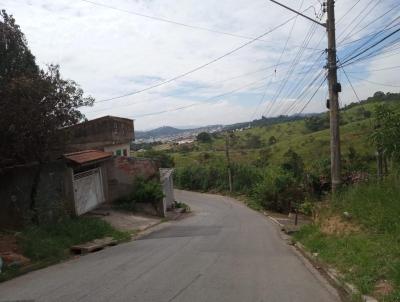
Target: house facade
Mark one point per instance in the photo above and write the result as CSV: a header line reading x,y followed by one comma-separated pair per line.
x,y
108,133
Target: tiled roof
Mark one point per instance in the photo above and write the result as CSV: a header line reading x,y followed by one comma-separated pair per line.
x,y
87,156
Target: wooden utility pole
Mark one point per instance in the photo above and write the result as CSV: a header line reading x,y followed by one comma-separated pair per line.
x,y
228,159
334,89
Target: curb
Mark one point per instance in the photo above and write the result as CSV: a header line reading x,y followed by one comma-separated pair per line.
x,y
333,275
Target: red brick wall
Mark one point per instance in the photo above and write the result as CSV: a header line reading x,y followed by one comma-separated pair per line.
x,y
122,171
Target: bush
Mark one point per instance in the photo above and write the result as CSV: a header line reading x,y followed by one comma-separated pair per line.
x,y
147,191
214,176
204,137
277,191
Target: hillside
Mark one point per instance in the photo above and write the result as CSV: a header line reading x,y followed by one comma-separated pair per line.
x,y
171,132
158,132
312,144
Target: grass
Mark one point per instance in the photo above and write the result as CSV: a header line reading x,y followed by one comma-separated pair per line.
x,y
50,242
372,254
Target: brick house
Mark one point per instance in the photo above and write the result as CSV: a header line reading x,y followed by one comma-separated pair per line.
x,y
107,133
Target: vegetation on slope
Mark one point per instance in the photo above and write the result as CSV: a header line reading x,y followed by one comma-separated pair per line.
x,y
359,234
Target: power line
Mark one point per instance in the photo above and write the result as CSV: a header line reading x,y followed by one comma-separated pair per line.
x,y
311,98
375,83
170,21
376,34
370,47
280,58
197,68
374,70
352,87
295,62
360,14
304,93
392,9
351,8
198,104
215,82
374,56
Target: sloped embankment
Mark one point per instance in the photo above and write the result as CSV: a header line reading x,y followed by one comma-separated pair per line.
x,y
359,234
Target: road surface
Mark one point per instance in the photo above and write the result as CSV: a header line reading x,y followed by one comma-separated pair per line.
x,y
225,252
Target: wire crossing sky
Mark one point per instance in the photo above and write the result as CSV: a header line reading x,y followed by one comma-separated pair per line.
x,y
205,53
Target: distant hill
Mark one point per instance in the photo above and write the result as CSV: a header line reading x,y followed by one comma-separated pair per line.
x,y
158,132
167,131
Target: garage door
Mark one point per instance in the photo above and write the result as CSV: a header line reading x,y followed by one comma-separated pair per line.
x,y
88,191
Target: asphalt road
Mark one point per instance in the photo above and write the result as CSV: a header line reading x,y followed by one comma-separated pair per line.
x,y
225,252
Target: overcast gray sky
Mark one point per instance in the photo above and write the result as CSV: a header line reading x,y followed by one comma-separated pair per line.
x,y
112,52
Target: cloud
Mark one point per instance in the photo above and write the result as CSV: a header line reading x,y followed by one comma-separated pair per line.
x,y
110,53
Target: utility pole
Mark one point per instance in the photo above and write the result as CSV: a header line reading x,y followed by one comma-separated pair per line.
x,y
334,89
229,161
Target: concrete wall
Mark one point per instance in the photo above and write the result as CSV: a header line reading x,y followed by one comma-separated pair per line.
x,y
98,133
166,177
54,193
122,172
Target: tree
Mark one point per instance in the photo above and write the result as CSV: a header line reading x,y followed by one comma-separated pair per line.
x,y
34,103
379,95
316,123
293,163
253,142
204,137
386,134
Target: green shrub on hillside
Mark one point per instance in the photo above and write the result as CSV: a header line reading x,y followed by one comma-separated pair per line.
x,y
278,190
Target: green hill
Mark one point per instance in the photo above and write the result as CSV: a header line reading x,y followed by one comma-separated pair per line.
x,y
309,142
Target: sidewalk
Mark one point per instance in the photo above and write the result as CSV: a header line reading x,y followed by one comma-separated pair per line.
x,y
287,222
126,221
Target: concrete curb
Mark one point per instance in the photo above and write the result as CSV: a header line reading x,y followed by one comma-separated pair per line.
x,y
336,278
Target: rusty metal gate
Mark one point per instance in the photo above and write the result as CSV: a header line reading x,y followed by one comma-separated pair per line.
x,y
88,191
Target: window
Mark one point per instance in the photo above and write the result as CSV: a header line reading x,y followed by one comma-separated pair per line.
x,y
125,152
118,152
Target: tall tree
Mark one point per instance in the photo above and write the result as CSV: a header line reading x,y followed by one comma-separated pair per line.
x,y
34,103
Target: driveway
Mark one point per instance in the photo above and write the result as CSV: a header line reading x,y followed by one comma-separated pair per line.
x,y
225,252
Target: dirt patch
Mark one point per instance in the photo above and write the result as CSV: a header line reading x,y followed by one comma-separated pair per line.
x,y
383,288
10,252
335,225
8,243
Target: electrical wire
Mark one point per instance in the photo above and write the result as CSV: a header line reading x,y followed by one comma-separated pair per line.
x,y
370,47
170,21
197,68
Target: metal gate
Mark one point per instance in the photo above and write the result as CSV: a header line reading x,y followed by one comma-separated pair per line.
x,y
88,191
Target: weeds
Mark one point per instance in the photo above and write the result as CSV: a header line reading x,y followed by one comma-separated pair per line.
x,y
52,241
372,254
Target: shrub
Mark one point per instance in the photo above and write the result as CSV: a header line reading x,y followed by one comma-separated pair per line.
x,y
147,191
204,137
277,190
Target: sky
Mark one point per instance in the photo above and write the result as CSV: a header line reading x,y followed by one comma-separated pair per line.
x,y
110,48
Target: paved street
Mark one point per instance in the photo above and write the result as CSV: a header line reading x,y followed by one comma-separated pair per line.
x,y
225,252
